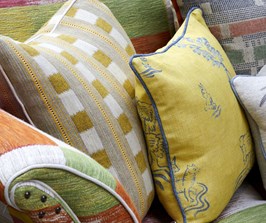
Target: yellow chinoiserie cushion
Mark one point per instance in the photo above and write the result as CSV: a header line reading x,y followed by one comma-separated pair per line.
x,y
199,143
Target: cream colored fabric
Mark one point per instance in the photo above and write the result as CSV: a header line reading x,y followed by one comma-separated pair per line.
x,y
75,83
251,92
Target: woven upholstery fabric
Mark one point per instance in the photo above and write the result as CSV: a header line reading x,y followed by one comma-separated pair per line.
x,y
75,83
20,19
45,180
197,134
149,24
251,92
240,28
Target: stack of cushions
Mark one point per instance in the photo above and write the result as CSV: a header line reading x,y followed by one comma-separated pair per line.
x,y
148,23
197,135
41,181
251,92
240,28
74,82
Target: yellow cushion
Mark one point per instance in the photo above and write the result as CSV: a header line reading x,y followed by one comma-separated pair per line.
x,y
199,142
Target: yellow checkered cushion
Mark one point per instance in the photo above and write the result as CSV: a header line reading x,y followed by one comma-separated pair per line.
x,y
198,138
75,83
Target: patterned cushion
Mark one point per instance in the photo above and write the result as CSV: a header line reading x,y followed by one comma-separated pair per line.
x,y
148,23
251,91
198,138
75,83
240,28
45,180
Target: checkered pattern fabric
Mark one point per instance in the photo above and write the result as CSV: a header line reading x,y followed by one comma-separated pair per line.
x,y
74,80
240,26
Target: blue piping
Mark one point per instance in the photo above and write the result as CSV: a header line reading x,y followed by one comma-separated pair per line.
x,y
165,142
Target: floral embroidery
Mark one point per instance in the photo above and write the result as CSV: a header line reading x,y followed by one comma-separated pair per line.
x,y
149,71
202,47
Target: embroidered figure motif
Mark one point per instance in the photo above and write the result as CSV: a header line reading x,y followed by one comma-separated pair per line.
x,y
210,105
190,191
202,47
193,192
149,71
247,156
263,100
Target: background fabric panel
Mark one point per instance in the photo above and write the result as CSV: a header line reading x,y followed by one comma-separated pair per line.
x,y
21,19
148,22
239,26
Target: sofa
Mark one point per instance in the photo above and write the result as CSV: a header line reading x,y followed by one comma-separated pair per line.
x,y
132,111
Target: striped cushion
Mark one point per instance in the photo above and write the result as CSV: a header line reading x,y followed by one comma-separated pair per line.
x,y
48,181
75,83
240,26
148,23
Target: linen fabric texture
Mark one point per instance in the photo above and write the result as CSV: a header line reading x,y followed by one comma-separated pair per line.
x,y
41,181
149,24
251,92
74,81
197,134
240,28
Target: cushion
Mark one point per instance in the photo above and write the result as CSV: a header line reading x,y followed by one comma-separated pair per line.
x,y
197,134
149,24
255,214
239,27
46,180
250,90
75,83
245,198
